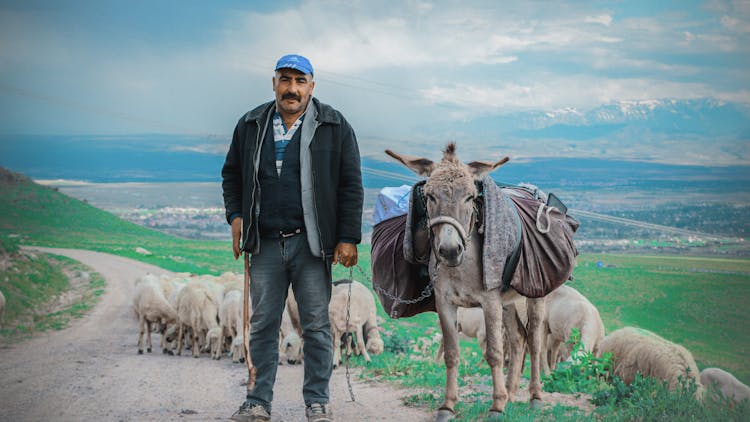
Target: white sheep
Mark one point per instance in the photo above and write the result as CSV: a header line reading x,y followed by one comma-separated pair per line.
x,y
230,317
171,333
290,342
568,309
238,349
635,350
361,310
151,307
470,323
197,309
725,382
231,281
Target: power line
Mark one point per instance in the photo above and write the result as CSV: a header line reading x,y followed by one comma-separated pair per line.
x,y
576,212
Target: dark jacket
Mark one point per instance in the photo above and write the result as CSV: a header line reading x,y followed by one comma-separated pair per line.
x,y
331,177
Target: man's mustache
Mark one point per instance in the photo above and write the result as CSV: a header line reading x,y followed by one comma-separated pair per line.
x,y
290,96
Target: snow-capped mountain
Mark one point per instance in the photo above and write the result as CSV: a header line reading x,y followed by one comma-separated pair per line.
x,y
663,130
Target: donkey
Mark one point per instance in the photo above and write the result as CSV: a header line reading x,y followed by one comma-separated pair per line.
x,y
456,266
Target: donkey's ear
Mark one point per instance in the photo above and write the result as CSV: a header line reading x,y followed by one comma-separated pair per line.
x,y
479,168
421,166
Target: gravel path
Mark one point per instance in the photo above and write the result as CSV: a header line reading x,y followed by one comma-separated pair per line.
x,y
90,371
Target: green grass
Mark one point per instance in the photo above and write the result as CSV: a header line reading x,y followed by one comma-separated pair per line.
x,y
700,303
29,281
42,216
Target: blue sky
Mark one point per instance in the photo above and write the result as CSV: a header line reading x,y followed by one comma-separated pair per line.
x,y
401,71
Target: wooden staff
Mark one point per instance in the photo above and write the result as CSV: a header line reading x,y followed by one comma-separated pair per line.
x,y
251,370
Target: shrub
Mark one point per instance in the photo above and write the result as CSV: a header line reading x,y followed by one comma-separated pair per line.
x,y
584,374
396,343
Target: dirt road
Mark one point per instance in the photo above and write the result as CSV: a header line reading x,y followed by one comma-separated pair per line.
x,y
91,371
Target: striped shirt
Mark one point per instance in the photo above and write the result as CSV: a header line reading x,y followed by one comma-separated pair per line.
x,y
282,136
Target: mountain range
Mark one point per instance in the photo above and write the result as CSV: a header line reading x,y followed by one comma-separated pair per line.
x,y
701,139
701,131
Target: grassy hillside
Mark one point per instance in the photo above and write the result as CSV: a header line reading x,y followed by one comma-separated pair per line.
x,y
42,216
700,303
28,282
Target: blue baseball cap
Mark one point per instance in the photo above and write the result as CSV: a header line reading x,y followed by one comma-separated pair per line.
x,y
295,61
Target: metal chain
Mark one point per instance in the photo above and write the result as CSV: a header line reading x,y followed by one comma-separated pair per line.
x,y
426,292
348,309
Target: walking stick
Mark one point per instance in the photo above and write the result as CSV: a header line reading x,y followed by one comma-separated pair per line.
x,y
251,370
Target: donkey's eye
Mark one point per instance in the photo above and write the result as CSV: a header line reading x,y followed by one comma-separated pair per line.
x,y
469,198
430,197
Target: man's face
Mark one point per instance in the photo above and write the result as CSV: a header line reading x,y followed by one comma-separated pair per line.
x,y
293,90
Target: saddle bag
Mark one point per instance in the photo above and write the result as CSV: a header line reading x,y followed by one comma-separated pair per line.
x,y
547,254
401,286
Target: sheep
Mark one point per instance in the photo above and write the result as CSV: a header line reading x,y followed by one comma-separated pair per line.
x,y
725,382
361,310
568,309
230,317
231,281
237,349
173,329
290,342
635,350
198,310
151,307
373,340
470,323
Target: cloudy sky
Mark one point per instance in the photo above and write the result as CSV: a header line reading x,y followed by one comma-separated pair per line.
x,y
393,68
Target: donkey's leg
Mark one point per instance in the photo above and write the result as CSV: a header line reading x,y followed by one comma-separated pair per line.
x,y
447,316
516,337
439,354
535,310
493,353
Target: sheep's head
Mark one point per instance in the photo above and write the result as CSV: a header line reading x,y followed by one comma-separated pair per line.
x,y
238,354
171,333
375,343
292,345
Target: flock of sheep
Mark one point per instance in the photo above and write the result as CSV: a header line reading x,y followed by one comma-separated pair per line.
x,y
634,350
204,314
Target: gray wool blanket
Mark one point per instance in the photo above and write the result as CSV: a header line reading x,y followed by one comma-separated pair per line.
x,y
500,237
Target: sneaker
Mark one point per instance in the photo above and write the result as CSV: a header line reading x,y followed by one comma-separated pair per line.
x,y
319,412
251,412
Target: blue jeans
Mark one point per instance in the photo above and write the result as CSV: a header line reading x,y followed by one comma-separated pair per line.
x,y
281,262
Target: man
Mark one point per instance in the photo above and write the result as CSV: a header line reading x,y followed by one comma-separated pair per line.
x,y
293,195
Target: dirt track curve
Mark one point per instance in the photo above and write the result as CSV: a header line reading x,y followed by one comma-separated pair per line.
x,y
90,371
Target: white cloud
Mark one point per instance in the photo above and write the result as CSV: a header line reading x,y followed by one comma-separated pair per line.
x,y
603,19
358,38
477,58
577,92
735,25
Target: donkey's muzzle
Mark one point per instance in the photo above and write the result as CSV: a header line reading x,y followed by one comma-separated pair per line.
x,y
451,256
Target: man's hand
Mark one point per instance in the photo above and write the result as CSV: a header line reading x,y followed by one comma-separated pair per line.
x,y
236,236
345,254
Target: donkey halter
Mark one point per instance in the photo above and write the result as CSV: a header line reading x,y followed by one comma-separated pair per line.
x,y
446,219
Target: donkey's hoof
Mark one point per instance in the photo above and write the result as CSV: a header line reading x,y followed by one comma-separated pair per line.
x,y
444,415
536,404
140,351
148,350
